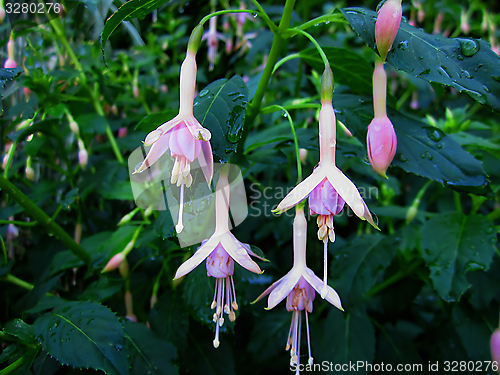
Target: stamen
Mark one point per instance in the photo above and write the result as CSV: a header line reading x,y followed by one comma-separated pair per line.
x,y
329,221
228,299
234,304
189,180
289,340
331,235
310,361
299,318
214,302
179,227
216,340
324,291
322,232
175,171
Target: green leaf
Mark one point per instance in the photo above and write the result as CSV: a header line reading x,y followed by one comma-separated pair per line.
x,y
152,121
101,289
164,225
129,10
168,320
7,75
354,338
21,330
454,244
473,332
422,149
269,334
359,265
220,107
468,65
348,67
45,364
148,354
92,123
84,334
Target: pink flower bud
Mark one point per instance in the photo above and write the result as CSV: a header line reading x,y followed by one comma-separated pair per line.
x,y
30,173
495,346
10,64
464,22
114,263
135,91
382,144
83,158
303,155
387,25
122,132
2,14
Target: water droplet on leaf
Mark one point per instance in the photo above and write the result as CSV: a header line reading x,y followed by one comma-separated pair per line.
x,y
469,46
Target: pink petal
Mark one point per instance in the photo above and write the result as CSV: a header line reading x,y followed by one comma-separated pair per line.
x,y
183,143
283,289
155,152
238,252
316,202
317,284
302,190
331,198
161,130
270,289
201,254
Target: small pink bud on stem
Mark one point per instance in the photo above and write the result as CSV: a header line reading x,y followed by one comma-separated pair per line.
x,y
387,26
114,263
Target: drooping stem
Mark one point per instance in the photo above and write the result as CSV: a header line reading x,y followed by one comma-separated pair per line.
x,y
44,220
254,107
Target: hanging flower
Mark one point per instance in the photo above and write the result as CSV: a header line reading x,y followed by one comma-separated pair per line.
x,y
327,187
212,37
183,135
221,250
299,286
381,138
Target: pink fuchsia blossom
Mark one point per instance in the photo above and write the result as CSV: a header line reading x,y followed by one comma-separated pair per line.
x,y
184,136
213,37
221,250
495,346
327,185
387,26
381,138
299,286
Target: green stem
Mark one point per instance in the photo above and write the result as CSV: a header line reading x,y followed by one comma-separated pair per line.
x,y
10,156
12,367
458,203
17,281
316,44
44,220
339,18
254,107
393,279
4,251
295,140
494,215
285,59
20,223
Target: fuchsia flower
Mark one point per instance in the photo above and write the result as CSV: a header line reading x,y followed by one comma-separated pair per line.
x,y
10,63
387,25
184,136
381,138
299,286
221,250
327,187
212,37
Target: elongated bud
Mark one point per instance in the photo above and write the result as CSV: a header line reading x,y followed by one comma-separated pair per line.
x,y
495,347
464,22
387,26
303,155
2,14
78,233
129,307
11,48
381,143
195,39
114,263
83,156
327,85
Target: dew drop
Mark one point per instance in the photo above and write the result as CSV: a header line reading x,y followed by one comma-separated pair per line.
x,y
493,240
489,230
486,88
403,45
469,46
203,93
402,158
434,134
428,155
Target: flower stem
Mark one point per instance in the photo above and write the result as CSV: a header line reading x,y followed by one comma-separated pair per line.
x,y
17,281
44,220
254,107
4,251
316,44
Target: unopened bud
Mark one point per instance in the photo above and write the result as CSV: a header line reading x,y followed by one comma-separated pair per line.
x,y
135,91
153,300
464,22
83,156
411,213
30,173
381,143
122,132
195,39
78,233
2,14
12,232
303,155
10,64
387,26
73,125
114,263
327,85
